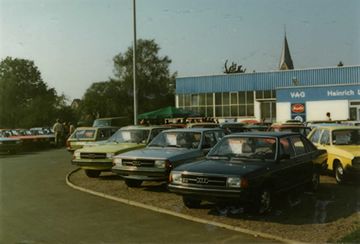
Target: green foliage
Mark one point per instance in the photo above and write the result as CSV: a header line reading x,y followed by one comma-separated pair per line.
x,y
103,99
25,100
155,84
353,237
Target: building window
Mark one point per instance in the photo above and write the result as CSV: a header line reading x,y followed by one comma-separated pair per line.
x,y
233,98
268,94
181,100
194,100
227,104
187,100
218,99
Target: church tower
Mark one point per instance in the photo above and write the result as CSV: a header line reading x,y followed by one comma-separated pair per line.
x,y
286,62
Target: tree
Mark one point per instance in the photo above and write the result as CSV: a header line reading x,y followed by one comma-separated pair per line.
x,y
234,68
25,100
103,99
155,84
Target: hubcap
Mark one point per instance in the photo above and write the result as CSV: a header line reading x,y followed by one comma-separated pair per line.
x,y
339,173
264,201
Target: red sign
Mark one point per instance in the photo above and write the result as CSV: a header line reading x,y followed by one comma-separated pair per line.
x,y
297,108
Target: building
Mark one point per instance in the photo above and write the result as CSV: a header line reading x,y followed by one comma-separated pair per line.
x,y
306,94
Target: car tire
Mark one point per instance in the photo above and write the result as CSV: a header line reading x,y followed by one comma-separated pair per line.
x,y
133,183
264,201
191,202
92,173
339,173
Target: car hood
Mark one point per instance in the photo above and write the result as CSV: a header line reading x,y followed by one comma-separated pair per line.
x,y
111,148
162,153
223,167
349,151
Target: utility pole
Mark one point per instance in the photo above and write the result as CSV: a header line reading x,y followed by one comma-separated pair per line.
x,y
134,63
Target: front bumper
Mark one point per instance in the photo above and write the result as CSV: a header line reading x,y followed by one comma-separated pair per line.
x,y
141,173
9,147
104,164
212,194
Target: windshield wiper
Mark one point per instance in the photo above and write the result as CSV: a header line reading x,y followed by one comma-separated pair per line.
x,y
218,157
156,145
240,156
169,145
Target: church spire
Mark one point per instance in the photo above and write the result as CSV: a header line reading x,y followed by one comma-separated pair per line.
x,y
285,59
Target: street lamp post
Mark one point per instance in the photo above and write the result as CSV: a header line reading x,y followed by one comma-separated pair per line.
x,y
134,63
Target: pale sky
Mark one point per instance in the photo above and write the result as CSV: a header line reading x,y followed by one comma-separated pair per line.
x,y
73,42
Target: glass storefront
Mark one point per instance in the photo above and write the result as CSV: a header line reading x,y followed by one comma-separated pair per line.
x,y
220,104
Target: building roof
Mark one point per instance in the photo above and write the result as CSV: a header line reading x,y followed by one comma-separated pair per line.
x,y
286,62
268,80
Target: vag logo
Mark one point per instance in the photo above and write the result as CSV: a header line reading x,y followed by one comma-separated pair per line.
x,y
297,94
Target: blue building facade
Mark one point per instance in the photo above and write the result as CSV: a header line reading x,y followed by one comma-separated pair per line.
x,y
271,95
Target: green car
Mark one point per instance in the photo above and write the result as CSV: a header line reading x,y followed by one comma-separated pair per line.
x,y
97,158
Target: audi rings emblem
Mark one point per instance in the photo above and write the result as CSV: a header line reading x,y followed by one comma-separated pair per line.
x,y
137,163
201,180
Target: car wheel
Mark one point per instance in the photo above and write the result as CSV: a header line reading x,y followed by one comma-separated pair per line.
x,y
191,202
339,173
92,173
264,202
315,182
133,183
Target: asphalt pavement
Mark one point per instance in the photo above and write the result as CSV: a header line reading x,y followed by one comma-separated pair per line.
x,y
36,206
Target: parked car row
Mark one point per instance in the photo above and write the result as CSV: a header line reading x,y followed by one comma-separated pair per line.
x,y
210,164
15,140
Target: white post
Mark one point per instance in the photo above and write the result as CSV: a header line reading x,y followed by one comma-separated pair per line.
x,y
134,64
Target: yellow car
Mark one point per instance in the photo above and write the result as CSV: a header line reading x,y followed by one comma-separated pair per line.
x,y
88,135
342,144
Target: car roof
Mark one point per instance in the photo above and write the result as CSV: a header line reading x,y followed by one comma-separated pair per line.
x,y
264,134
195,129
338,127
288,125
232,123
143,127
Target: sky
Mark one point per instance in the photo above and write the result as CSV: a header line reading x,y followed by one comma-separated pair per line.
x,y
73,42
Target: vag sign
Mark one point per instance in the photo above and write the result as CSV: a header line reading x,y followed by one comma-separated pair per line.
x,y
298,94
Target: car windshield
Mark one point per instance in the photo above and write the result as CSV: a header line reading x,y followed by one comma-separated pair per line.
x,y
180,139
245,147
84,134
130,136
346,137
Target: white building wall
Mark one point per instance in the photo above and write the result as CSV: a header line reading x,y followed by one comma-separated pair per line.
x,y
257,114
283,112
316,110
177,101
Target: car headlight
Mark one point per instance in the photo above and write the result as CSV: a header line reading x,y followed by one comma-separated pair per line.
x,y
175,177
117,161
160,164
233,182
109,155
76,154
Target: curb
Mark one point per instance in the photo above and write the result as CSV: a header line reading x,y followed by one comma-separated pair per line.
x,y
179,215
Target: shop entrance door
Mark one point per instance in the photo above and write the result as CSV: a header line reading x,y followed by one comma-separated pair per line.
x,y
268,111
354,111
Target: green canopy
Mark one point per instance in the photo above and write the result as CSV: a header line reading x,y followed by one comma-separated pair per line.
x,y
167,112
